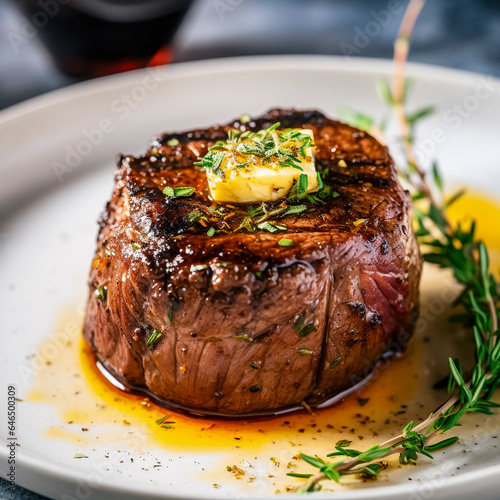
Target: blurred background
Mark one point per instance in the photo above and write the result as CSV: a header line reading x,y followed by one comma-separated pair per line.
x,y
48,44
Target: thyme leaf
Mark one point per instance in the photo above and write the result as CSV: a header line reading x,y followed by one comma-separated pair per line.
x,y
153,339
101,293
178,192
303,329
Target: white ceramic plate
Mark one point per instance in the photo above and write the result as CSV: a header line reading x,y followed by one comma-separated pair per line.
x,y
49,203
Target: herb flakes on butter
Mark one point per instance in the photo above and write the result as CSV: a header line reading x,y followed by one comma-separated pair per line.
x,y
259,166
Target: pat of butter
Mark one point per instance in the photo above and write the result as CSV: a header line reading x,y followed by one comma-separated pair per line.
x,y
244,177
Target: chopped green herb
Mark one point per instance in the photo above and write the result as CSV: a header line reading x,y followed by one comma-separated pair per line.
x,y
153,339
171,192
296,209
305,352
244,337
245,118
302,186
195,215
173,142
363,401
285,242
272,228
212,160
320,181
299,189
342,164
259,275
302,329
216,210
136,246
102,293
236,470
246,224
255,211
251,148
211,232
335,362
218,145
79,455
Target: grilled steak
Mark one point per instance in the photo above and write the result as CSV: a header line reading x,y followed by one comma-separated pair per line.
x,y
236,323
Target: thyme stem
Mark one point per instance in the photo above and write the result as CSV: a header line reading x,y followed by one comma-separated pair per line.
x,y
401,50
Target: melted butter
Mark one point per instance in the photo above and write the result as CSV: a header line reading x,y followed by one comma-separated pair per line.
x,y
485,211
92,410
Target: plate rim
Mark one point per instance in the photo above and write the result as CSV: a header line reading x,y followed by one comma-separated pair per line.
x,y
29,461
66,473
234,64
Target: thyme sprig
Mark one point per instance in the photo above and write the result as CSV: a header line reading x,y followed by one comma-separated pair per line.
x,y
448,246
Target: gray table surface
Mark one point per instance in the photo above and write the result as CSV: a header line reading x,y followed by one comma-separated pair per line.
x,y
461,34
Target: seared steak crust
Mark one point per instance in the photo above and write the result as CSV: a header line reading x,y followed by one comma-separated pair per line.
x,y
230,307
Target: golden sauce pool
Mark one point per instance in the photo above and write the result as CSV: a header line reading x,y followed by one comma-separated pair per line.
x,y
92,410
84,398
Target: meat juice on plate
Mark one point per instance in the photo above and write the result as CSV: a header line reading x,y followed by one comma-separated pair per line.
x,y
90,407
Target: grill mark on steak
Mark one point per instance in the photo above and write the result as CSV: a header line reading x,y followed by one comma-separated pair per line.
x,y
358,283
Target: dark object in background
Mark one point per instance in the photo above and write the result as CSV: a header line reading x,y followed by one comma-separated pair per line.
x,y
90,38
